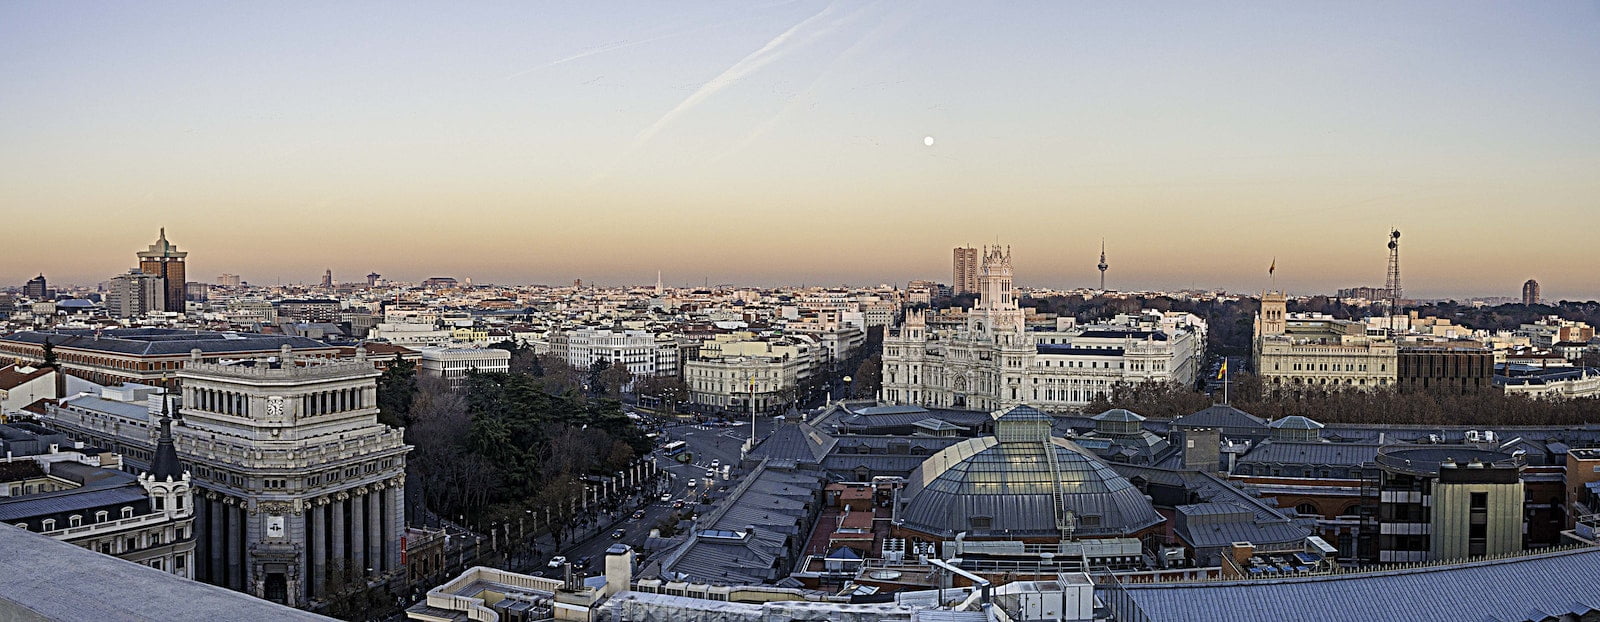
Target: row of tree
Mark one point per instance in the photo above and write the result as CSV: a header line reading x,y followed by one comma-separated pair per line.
x,y
1377,406
506,442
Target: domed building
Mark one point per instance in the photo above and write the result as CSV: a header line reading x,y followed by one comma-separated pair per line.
x,y
1021,484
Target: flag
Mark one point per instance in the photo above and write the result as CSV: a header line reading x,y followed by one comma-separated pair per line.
x,y
1274,267
1222,373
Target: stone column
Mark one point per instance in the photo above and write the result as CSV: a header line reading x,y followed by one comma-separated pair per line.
x,y
375,529
358,531
397,517
319,547
338,531
216,570
235,539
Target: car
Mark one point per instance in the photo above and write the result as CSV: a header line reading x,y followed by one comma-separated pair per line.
x,y
638,514
617,534
711,474
716,463
677,504
583,562
666,497
557,561
692,483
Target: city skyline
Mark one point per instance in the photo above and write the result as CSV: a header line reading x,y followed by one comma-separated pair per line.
x,y
722,142
1049,281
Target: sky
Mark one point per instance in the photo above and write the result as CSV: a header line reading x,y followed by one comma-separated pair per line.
x,y
784,142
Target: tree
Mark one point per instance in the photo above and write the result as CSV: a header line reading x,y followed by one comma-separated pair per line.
x,y
614,378
669,389
397,389
49,354
523,360
868,378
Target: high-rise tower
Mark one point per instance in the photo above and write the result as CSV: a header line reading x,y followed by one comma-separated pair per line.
x,y
1393,286
327,278
1530,293
964,277
166,261
1103,265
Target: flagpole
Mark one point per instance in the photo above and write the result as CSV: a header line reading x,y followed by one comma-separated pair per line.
x,y
1224,380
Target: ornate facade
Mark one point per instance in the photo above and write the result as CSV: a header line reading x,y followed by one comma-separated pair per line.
x,y
992,361
299,486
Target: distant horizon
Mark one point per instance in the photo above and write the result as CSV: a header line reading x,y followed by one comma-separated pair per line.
x,y
1293,288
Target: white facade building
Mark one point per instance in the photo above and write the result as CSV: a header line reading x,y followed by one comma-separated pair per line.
x,y
643,352
453,363
993,362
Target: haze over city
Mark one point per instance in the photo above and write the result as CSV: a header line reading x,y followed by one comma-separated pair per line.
x,y
784,142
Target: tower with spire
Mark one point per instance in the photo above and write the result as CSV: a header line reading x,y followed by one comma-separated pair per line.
x,y
1103,265
164,260
168,485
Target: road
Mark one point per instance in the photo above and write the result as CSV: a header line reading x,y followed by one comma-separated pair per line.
x,y
707,444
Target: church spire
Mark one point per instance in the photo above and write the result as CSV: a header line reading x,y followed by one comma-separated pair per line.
x,y
165,464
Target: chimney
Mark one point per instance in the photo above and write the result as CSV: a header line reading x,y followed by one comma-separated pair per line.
x,y
619,569
1241,553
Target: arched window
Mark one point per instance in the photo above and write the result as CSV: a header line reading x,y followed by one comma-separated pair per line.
x,y
127,512
101,516
1306,509
75,520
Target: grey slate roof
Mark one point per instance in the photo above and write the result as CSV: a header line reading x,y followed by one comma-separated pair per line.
x,y
1530,587
163,341
1228,418
769,506
43,578
1276,451
71,500
1216,525
795,441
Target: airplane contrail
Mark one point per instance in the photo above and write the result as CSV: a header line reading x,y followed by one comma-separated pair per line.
x,y
773,50
625,44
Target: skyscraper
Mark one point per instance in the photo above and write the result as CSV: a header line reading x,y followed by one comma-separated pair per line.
x,y
164,260
137,293
1530,292
964,278
36,288
327,278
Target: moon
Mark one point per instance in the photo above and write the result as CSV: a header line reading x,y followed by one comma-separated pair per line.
x,y
927,140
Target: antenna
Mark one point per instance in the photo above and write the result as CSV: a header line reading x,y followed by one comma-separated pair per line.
x,y
1103,265
1394,275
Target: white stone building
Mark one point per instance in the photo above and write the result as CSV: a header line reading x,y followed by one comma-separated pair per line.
x,y
295,478
992,361
643,352
452,364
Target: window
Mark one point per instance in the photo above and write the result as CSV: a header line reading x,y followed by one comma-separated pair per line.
x,y
49,524
981,522
1480,500
101,516
160,503
1306,509
127,512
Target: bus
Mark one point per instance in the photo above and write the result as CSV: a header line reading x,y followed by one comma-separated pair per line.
x,y
674,448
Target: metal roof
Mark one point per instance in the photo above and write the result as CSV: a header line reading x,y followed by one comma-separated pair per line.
x,y
162,341
53,580
1012,486
1220,416
1523,587
70,500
